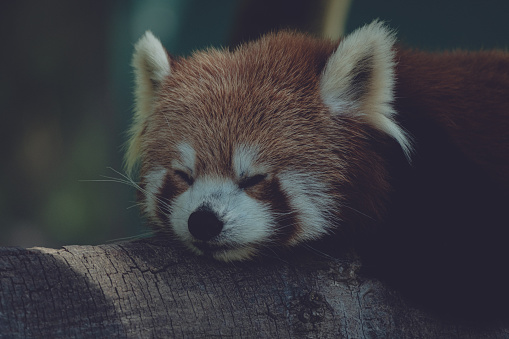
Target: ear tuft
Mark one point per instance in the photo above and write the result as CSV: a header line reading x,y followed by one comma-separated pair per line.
x,y
150,58
151,66
358,80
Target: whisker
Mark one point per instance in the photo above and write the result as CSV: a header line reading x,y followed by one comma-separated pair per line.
x,y
138,236
163,206
361,213
274,255
317,251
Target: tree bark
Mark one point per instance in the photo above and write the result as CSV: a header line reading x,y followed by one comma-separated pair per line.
x,y
149,289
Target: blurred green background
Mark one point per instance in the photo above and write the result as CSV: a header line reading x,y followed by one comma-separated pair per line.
x,y
66,84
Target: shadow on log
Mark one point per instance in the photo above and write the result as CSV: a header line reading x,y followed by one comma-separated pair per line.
x,y
148,289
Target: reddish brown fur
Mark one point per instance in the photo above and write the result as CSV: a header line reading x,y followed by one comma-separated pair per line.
x,y
467,95
266,93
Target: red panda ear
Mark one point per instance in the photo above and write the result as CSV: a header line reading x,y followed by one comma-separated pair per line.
x,y
358,80
151,66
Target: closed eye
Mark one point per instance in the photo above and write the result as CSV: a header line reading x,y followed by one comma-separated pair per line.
x,y
184,176
252,181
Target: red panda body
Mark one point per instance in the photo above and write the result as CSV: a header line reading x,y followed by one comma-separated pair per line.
x,y
465,94
290,139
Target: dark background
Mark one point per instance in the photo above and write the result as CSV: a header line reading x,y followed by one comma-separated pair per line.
x,y
66,84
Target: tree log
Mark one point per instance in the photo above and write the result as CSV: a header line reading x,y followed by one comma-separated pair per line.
x,y
149,289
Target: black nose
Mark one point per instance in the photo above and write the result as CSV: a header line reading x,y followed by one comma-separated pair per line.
x,y
204,224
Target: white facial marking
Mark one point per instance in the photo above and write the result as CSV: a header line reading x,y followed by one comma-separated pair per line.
x,y
309,197
154,182
244,161
187,159
246,221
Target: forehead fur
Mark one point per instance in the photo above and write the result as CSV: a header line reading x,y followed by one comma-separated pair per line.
x,y
262,93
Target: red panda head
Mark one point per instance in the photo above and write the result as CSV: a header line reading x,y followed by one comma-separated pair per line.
x,y
266,145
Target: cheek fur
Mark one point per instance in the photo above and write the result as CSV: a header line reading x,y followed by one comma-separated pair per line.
x,y
157,192
271,193
151,184
166,195
309,195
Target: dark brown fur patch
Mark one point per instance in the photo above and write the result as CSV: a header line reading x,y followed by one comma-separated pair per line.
x,y
361,76
286,218
165,197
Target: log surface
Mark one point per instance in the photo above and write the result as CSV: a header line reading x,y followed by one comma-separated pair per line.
x,y
145,289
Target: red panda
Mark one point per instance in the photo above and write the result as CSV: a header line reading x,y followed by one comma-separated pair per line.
x,y
289,139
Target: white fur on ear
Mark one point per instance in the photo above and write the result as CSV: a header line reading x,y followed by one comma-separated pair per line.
x,y
151,66
359,79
